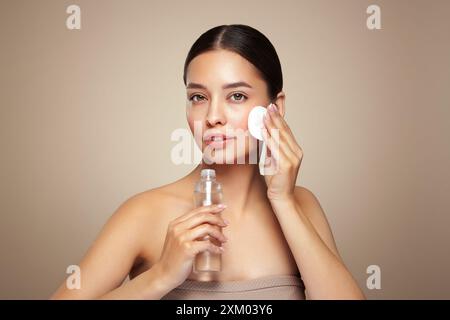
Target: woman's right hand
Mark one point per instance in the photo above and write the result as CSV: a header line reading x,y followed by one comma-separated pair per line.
x,y
184,241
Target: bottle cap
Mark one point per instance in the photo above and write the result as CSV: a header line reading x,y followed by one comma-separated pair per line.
x,y
208,173
255,121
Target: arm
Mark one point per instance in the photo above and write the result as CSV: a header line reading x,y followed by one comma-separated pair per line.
x,y
300,216
310,239
111,257
149,285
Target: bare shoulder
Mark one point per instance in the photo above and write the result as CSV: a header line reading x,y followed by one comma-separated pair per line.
x,y
308,201
305,196
140,206
158,199
311,207
119,243
151,206
133,218
152,210
131,236
140,214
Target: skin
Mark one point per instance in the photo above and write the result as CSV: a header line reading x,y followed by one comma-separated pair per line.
x,y
270,226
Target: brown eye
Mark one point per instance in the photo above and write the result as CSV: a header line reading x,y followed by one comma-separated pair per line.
x,y
239,97
196,98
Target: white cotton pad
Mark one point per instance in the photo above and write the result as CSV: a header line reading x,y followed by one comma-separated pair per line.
x,y
255,121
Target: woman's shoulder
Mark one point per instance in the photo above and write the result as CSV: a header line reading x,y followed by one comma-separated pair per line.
x,y
309,202
154,203
150,212
303,194
167,194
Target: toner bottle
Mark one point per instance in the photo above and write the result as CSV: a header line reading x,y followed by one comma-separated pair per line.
x,y
207,192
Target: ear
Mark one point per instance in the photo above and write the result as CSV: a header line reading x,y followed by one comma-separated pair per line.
x,y
280,103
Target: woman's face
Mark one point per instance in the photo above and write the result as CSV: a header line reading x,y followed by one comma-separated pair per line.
x,y
222,87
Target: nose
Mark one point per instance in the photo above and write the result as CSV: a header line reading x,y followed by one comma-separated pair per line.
x,y
215,114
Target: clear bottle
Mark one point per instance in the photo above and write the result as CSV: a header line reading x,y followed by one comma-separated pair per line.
x,y
207,192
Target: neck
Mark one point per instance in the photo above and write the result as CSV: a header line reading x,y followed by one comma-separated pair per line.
x,y
243,186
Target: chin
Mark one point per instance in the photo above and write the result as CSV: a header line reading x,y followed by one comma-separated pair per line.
x,y
220,158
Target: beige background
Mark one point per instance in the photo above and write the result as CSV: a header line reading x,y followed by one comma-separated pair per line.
x,y
86,118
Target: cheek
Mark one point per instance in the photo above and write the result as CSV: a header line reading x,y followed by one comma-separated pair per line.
x,y
191,124
239,120
192,117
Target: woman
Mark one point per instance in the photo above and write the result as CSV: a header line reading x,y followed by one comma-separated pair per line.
x,y
276,241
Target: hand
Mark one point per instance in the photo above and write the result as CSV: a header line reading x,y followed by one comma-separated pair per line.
x,y
184,241
284,156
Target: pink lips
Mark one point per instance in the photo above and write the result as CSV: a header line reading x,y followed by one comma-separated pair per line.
x,y
217,141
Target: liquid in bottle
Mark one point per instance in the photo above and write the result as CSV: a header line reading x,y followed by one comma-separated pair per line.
x,y
207,192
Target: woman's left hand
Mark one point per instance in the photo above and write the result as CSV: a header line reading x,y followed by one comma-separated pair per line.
x,y
283,158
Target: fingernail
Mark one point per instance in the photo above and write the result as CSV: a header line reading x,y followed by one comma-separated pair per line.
x,y
273,107
226,221
221,205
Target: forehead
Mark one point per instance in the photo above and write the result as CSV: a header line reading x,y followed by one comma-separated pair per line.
x,y
222,66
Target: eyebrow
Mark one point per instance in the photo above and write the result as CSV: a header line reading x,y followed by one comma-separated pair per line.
x,y
193,85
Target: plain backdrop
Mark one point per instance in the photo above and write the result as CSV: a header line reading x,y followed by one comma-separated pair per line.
x,y
86,117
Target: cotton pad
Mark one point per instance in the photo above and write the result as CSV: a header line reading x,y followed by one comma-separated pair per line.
x,y
255,126
255,121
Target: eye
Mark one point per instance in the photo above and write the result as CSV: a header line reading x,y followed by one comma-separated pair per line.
x,y
196,98
238,97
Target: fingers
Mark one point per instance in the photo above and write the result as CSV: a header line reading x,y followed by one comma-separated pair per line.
x,y
272,113
199,222
279,151
274,120
276,134
196,247
272,145
215,208
203,217
203,231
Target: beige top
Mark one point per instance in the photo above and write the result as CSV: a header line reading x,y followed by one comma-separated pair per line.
x,y
279,287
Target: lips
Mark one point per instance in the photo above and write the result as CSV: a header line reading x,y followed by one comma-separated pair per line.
x,y
217,140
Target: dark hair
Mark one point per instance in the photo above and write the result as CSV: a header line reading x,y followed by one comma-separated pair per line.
x,y
247,42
